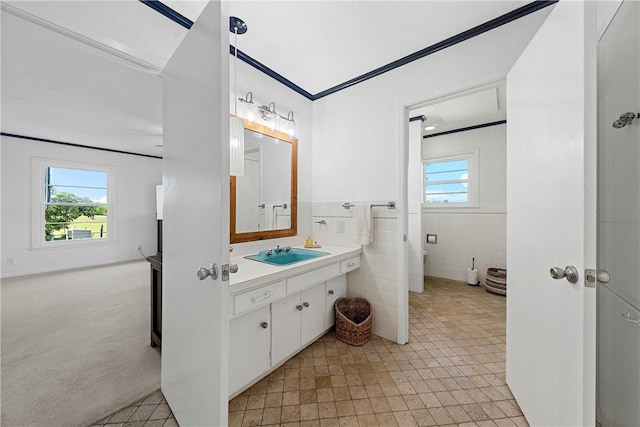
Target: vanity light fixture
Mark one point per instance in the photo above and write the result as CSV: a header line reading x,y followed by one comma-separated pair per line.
x,y
236,125
267,115
249,107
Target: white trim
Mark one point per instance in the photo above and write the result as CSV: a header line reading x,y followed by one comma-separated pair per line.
x,y
402,242
38,167
117,54
473,158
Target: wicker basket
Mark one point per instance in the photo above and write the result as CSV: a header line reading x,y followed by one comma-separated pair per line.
x,y
353,320
496,281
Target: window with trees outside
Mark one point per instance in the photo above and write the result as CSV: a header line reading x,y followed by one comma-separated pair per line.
x,y
450,181
75,204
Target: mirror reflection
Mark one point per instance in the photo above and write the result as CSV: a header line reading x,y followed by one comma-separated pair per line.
x,y
263,201
264,192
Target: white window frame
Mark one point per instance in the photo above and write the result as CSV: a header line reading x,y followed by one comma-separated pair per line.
x,y
38,205
473,187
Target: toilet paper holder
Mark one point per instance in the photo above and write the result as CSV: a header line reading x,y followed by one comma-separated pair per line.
x,y
432,238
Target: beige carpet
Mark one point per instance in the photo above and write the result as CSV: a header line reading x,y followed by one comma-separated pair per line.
x,y
75,345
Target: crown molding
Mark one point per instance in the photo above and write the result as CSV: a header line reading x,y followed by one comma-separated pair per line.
x,y
121,56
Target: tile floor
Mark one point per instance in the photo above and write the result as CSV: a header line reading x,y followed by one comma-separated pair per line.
x,y
451,373
151,411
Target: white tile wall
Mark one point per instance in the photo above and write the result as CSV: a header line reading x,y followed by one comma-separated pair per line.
x,y
376,280
462,236
464,233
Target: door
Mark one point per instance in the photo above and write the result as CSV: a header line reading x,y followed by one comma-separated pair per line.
x,y
619,219
285,331
195,325
550,357
336,288
249,347
313,313
248,195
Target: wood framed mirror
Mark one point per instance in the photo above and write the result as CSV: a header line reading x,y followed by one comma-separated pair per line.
x,y
264,202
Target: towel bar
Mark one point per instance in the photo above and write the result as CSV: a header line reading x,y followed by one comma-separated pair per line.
x,y
389,205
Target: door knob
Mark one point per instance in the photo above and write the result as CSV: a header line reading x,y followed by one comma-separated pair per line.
x,y
264,325
299,307
233,267
212,271
627,316
331,292
306,304
625,119
569,272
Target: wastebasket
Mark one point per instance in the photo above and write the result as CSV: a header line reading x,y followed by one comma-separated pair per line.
x,y
353,320
496,281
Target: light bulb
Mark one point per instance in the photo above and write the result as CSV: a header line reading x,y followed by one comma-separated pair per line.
x,y
274,121
251,112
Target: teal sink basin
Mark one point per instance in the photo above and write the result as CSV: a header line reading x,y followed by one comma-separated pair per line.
x,y
285,258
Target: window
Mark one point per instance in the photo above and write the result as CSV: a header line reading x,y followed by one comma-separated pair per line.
x,y
74,203
451,181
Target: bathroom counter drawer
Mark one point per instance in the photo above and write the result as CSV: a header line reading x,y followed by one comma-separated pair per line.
x,y
349,264
258,297
304,280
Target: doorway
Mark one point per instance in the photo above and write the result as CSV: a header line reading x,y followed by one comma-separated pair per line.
x,y
457,185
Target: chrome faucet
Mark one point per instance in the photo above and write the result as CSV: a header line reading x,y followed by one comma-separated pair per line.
x,y
277,250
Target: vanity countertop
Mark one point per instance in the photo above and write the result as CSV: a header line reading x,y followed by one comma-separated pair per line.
x,y
252,274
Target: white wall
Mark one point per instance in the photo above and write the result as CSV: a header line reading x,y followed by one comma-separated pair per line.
x,y
356,132
134,205
464,233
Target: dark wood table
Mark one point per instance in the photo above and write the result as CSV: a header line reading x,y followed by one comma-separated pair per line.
x,y
156,299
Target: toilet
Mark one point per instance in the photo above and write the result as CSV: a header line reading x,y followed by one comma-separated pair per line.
x,y
424,261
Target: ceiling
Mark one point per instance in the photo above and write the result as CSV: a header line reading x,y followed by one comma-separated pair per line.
x,y
78,71
477,107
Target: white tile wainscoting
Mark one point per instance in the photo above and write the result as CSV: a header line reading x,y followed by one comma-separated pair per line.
x,y
463,235
376,280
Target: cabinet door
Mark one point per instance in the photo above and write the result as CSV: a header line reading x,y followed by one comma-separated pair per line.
x,y
313,313
285,334
336,288
249,343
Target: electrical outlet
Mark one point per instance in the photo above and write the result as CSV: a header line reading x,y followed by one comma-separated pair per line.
x,y
341,226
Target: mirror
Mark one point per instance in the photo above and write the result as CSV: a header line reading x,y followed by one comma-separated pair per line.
x,y
264,202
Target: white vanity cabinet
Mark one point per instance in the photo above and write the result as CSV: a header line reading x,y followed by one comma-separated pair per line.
x,y
273,321
297,320
249,347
